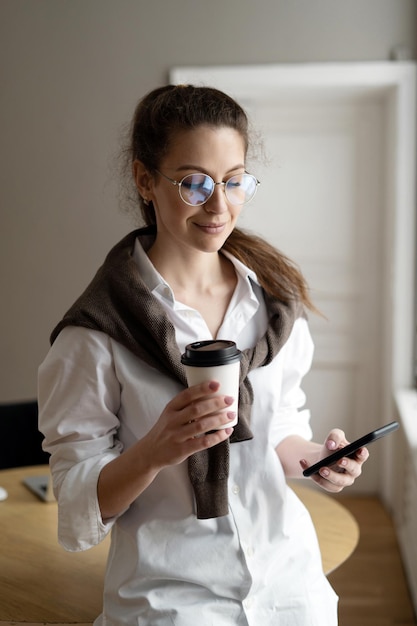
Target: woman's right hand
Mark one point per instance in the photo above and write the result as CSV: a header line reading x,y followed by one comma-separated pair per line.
x,y
189,424
185,426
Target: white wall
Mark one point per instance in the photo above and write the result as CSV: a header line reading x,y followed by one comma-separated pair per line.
x,y
71,73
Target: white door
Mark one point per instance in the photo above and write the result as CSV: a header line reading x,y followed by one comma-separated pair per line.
x,y
321,205
323,202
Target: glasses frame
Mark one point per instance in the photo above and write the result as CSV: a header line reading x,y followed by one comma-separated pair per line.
x,y
178,183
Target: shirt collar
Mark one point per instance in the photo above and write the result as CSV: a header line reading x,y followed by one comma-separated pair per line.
x,y
150,276
242,269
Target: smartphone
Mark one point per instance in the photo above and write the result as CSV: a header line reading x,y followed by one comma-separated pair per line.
x,y
351,448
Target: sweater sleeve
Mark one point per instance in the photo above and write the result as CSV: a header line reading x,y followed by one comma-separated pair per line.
x,y
79,398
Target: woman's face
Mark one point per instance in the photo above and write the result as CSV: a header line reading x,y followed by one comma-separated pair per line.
x,y
218,152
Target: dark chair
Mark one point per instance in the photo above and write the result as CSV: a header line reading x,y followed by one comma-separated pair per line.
x,y
21,440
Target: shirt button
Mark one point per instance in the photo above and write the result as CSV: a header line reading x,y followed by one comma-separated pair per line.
x,y
236,489
247,549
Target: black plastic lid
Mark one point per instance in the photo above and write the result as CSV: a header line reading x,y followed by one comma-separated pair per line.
x,y
211,352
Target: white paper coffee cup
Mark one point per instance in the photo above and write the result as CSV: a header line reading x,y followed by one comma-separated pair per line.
x,y
215,360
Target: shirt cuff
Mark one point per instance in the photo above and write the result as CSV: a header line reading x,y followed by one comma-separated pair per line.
x,y
80,525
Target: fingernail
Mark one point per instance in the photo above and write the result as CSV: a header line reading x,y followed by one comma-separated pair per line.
x,y
331,444
214,385
231,415
324,472
228,400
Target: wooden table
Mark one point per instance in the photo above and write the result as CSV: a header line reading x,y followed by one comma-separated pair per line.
x,y
39,581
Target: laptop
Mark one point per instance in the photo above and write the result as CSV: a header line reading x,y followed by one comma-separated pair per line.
x,y
40,486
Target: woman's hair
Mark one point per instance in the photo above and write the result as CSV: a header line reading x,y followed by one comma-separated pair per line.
x,y
164,112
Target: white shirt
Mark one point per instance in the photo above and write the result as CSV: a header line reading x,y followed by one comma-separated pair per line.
x,y
259,565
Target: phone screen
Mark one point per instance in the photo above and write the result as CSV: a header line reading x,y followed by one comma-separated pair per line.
x,y
351,448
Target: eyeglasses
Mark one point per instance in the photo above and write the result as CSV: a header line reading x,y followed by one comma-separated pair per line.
x,y
197,189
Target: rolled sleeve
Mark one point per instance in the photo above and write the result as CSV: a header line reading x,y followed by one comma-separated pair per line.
x,y
79,397
80,525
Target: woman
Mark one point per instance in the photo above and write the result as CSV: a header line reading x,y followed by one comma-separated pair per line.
x,y
204,527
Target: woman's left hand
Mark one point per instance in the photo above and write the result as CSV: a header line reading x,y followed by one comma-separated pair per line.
x,y
346,471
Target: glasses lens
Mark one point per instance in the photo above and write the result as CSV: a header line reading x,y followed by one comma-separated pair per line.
x,y
241,188
196,189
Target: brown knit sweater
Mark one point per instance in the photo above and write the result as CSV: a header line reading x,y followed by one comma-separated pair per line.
x,y
118,303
